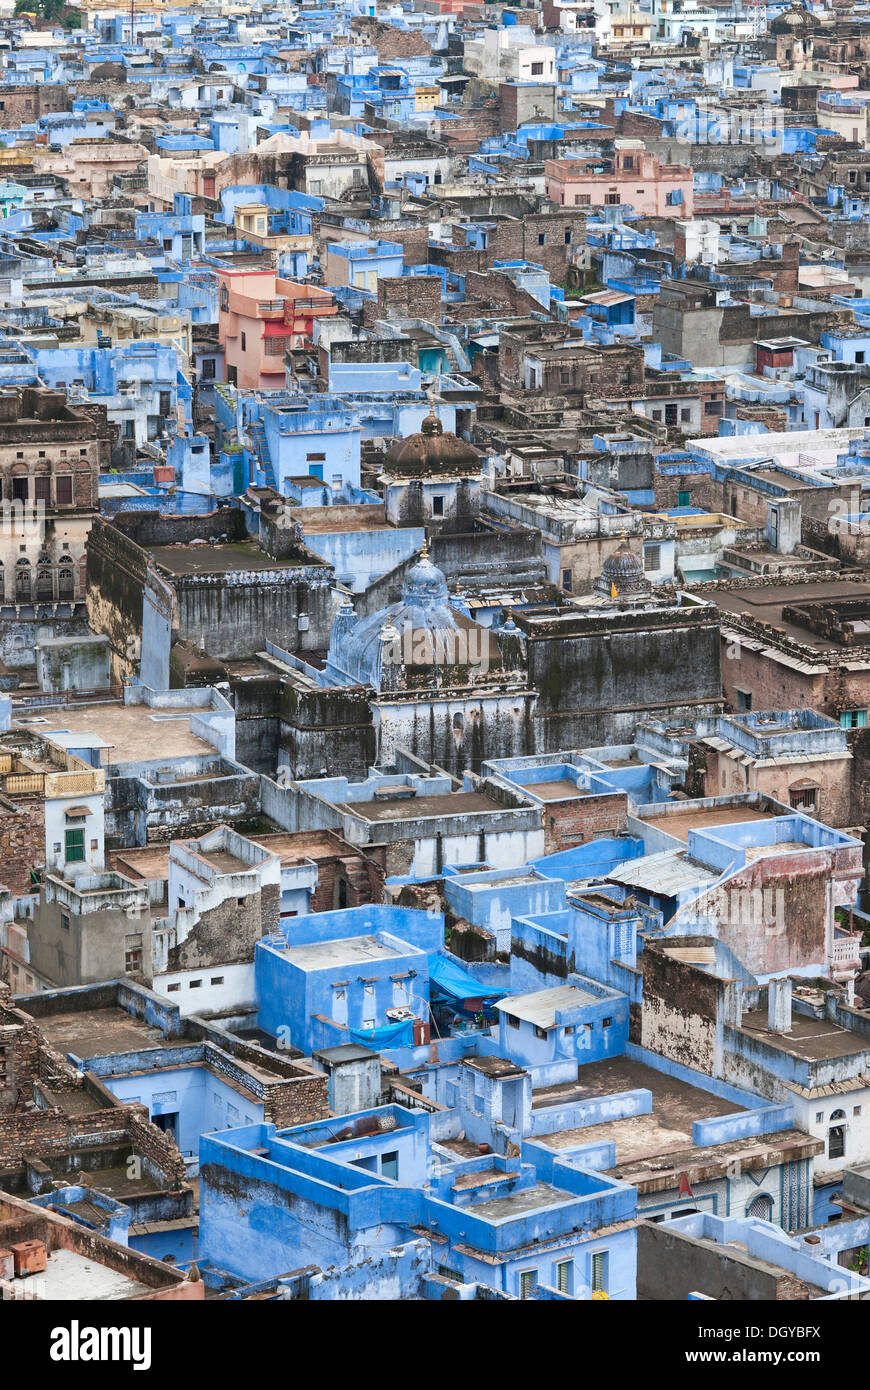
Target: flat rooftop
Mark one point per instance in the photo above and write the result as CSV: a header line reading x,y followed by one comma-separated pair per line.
x,y
135,733
351,950
92,1032
234,557
766,605
517,1204
560,790
680,823
296,848
415,807
68,1274
149,862
223,861
676,1105
810,1039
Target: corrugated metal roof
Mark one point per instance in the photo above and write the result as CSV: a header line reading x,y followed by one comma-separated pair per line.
x,y
668,873
541,1006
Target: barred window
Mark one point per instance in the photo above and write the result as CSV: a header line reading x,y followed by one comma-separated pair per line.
x,y
276,347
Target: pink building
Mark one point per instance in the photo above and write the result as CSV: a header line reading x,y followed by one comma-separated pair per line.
x,y
633,177
260,317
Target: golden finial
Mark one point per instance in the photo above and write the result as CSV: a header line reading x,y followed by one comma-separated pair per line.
x,y
424,552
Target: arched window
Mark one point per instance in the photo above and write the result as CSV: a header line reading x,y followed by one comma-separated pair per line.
x,y
22,581
65,584
43,584
837,1134
761,1207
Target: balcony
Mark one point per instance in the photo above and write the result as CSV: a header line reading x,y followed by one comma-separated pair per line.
x,y
846,951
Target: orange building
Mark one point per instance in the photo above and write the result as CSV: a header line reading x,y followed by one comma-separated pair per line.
x,y
260,317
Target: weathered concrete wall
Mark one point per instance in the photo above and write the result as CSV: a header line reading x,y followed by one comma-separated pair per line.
x,y
679,1011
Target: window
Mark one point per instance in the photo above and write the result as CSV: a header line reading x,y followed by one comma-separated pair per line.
x,y
567,236
173,989
42,489
837,1135
761,1207
685,414
566,580
244,343
859,357
712,407
438,505
684,499
165,402
853,719
820,1115
537,69
856,1110
606,1022
565,376
64,921
74,846
217,979
652,557
542,239
528,1280
804,799
206,369
19,489
598,1272
744,699
511,1021
133,962
565,1276
628,161
195,984
540,1033
390,1165
611,199
63,484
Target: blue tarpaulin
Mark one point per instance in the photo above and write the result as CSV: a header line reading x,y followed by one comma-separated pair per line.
x,y
390,1035
449,978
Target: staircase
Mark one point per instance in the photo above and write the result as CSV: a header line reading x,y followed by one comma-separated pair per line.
x,y
260,450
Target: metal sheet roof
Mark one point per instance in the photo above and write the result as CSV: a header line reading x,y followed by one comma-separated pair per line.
x,y
541,1006
667,874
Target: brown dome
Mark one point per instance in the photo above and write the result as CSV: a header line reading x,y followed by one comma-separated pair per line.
x,y
431,451
109,72
796,19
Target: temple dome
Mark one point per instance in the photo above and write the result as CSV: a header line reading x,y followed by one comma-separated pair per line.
x,y
431,450
796,19
422,624
622,576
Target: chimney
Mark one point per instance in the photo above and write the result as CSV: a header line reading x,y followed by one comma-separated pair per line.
x,y
779,1006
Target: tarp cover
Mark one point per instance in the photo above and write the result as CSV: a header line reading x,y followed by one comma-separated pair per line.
x,y
390,1035
449,978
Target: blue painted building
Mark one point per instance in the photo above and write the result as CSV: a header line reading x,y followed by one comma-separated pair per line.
x,y
342,1193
